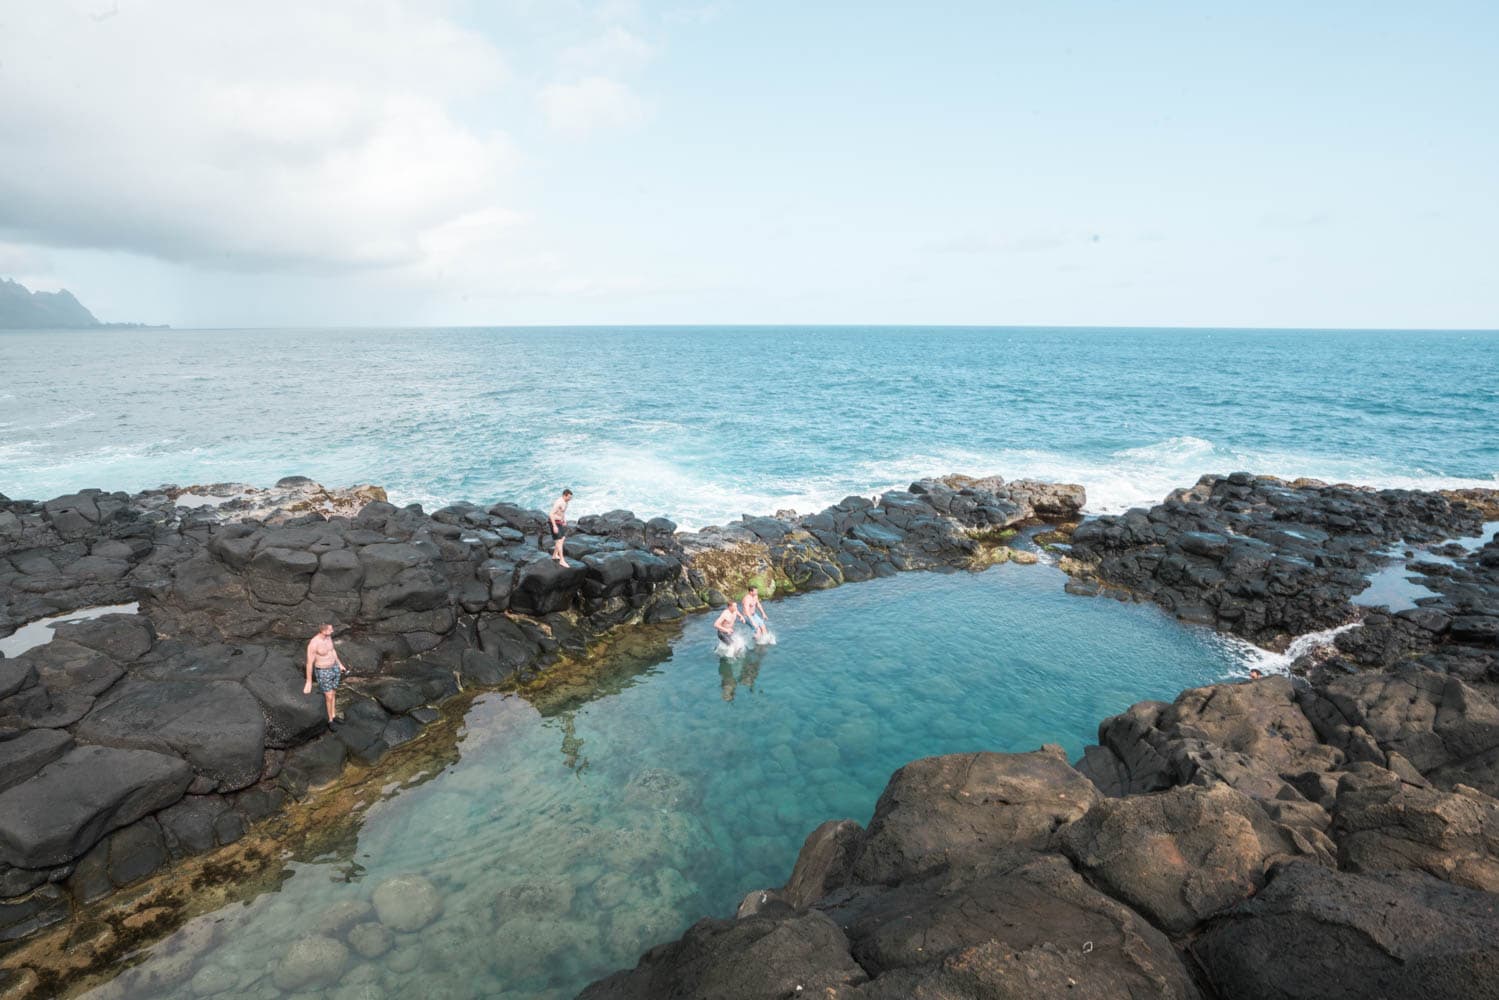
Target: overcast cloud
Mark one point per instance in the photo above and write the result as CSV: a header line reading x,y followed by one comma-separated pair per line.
x,y
257,136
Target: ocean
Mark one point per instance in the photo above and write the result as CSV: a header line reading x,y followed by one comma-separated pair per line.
x,y
703,424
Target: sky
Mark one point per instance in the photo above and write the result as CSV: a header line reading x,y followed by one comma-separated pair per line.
x,y
516,162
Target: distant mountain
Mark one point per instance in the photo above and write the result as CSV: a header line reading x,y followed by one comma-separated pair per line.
x,y
21,308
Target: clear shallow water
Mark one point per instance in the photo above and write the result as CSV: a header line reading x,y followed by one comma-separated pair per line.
x,y
703,424
566,841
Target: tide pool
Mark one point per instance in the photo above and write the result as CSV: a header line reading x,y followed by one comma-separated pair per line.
x,y
702,424
571,829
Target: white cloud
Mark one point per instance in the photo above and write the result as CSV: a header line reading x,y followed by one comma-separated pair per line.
x,y
591,104
615,51
254,136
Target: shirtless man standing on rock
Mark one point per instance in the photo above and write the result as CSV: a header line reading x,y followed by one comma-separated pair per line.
x,y
557,522
324,664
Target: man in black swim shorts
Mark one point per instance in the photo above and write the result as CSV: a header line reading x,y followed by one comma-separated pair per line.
x,y
557,524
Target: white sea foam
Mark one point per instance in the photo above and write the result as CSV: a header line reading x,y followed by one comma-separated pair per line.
x,y
696,490
1252,657
733,649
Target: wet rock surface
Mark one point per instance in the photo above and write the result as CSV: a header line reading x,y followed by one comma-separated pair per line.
x,y
192,705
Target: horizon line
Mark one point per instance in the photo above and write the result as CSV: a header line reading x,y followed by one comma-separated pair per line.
x,y
150,328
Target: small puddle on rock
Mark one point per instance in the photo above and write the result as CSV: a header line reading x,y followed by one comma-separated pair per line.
x,y
40,632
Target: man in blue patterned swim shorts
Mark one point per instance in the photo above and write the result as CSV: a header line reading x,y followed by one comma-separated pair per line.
x,y
324,666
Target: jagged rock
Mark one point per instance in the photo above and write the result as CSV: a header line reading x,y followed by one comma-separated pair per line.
x,y
825,863
1180,855
1446,729
56,815
1316,932
1253,737
954,810
1382,823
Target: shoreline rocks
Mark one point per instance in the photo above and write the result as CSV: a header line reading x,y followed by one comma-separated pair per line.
x,y
1332,834
196,699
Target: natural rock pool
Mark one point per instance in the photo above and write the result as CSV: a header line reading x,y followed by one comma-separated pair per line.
x,y
592,818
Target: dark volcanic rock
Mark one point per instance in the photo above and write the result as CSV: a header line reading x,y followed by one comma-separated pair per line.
x,y
948,811
1260,557
1383,823
1036,930
1446,728
826,862
217,726
291,717
56,815
1181,855
28,753
543,586
728,960
120,637
67,666
1316,932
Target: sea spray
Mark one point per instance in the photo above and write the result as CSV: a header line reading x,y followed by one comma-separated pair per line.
x,y
1252,657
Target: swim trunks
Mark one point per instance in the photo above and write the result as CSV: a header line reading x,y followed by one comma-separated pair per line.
x,y
327,678
558,531
727,638
756,621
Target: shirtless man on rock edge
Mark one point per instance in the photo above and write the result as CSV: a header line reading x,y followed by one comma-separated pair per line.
x,y
557,522
324,665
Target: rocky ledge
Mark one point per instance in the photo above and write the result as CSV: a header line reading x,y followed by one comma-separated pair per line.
x,y
1329,835
132,739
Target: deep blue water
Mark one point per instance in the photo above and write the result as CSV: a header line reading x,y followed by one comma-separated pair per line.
x,y
703,424
567,840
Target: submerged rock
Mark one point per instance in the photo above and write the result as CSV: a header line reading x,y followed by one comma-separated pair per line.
x,y
407,903
312,961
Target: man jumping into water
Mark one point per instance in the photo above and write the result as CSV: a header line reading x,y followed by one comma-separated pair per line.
x,y
324,664
557,522
754,611
724,625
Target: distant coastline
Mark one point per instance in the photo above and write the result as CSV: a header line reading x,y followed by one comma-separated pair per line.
x,y
23,309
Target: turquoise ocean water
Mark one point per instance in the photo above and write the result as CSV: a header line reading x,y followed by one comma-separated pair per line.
x,y
703,424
